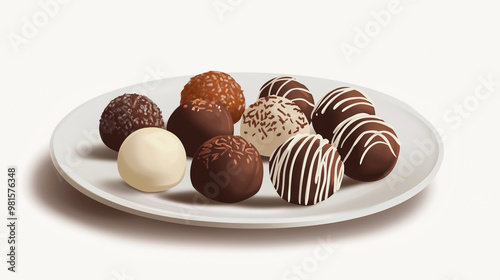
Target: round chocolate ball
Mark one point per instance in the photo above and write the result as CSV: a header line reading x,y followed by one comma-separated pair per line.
x,y
126,114
198,120
290,88
152,160
271,121
338,105
227,169
218,86
306,169
369,147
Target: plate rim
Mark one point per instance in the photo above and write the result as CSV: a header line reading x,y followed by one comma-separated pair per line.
x,y
142,210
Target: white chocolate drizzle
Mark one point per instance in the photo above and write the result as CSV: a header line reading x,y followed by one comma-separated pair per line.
x,y
343,131
329,98
269,86
283,161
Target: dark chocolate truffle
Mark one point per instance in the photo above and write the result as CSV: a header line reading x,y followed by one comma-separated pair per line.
x,y
126,114
198,120
306,169
368,146
217,86
338,105
227,169
291,89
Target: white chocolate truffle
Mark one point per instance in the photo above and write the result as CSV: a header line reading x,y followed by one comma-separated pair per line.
x,y
152,160
271,121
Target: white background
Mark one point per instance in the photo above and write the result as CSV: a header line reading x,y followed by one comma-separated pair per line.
x,y
430,54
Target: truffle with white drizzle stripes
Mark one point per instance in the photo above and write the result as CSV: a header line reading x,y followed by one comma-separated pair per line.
x,y
291,89
368,146
338,105
306,169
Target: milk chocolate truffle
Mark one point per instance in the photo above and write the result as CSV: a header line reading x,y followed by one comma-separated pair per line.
x,y
338,105
227,169
198,120
271,121
368,146
306,169
152,160
216,86
292,89
126,114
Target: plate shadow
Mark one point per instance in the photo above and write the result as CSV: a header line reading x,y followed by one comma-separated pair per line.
x,y
66,203
192,196
101,152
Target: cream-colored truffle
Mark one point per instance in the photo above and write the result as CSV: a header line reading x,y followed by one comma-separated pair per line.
x,y
152,160
271,121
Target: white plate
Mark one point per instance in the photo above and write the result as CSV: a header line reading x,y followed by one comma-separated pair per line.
x,y
82,159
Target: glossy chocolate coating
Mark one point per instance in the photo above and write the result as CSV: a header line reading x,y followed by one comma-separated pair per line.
x,y
198,120
306,169
336,106
369,147
227,169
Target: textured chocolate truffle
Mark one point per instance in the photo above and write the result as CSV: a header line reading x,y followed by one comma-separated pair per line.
x,y
271,121
198,120
368,146
338,105
126,114
227,169
306,169
292,89
217,86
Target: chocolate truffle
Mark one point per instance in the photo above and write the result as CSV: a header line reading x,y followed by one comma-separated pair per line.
x,y
198,120
271,121
152,160
306,169
338,105
227,169
292,89
368,146
217,86
126,114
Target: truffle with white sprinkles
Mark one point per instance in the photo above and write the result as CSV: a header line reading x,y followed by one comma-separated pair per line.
x,y
291,89
306,169
227,169
271,121
126,114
